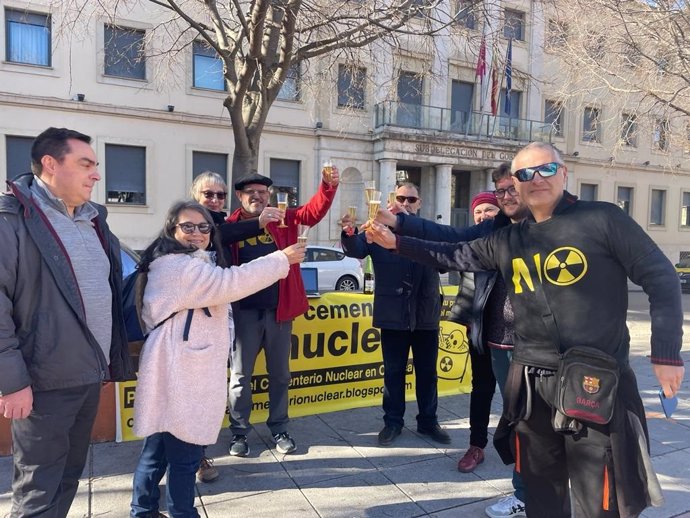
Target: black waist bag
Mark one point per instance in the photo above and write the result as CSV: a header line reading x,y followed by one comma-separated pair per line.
x,y
587,385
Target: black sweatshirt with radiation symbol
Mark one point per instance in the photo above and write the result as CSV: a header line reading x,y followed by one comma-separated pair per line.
x,y
581,259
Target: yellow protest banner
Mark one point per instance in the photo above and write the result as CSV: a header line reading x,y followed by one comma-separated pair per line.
x,y
336,364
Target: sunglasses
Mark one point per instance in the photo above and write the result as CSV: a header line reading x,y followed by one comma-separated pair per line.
x,y
410,199
209,195
188,228
501,193
526,174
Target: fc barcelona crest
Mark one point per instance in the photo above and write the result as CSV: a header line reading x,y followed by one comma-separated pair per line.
x,y
590,384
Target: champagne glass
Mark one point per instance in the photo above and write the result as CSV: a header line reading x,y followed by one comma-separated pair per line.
x,y
374,204
391,199
352,212
369,187
282,198
327,170
302,234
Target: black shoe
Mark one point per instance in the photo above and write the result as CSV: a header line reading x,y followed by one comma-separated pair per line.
x,y
388,435
436,433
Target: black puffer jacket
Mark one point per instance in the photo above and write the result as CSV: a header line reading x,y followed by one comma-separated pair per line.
x,y
44,339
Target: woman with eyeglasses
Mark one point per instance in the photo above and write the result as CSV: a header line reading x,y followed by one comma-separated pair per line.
x,y
210,190
182,388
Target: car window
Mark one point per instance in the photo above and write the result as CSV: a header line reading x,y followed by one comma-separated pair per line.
x,y
339,256
309,256
129,262
321,254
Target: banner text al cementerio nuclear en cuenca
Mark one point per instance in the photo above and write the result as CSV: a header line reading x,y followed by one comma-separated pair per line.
x,y
336,363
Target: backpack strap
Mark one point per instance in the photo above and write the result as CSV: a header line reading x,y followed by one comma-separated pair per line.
x,y
188,322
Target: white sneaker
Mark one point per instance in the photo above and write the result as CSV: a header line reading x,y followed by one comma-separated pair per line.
x,y
506,507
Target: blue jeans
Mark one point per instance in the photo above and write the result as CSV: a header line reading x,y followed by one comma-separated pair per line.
x,y
163,451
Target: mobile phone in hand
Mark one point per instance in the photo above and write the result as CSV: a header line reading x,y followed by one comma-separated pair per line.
x,y
668,404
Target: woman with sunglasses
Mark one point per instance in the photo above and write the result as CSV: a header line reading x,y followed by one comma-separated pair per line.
x,y
210,190
182,388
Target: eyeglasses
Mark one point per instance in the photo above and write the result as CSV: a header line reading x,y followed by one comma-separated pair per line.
x,y
209,195
188,228
254,192
526,174
501,193
410,199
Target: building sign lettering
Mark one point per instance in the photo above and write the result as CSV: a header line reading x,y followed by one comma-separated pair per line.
x,y
462,152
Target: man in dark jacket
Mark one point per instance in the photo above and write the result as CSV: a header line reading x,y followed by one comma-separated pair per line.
x,y
407,308
566,268
61,319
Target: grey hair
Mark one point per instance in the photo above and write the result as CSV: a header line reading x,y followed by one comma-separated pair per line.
x,y
206,177
545,146
409,185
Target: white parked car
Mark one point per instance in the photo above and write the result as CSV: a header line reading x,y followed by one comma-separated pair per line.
x,y
336,270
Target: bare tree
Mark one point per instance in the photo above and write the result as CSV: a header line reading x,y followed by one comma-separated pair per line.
x,y
262,42
630,56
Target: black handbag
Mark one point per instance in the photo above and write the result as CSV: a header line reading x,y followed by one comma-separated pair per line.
x,y
587,385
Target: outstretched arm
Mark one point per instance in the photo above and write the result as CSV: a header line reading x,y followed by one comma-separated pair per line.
x,y
475,256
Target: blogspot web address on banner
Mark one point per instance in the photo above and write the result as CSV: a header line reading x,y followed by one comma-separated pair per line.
x,y
326,380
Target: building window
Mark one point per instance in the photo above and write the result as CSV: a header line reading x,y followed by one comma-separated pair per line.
x,y
461,97
629,130
657,212
351,81
556,34
589,192
27,38
661,134
125,174
216,162
124,52
465,15
18,155
685,209
420,7
631,54
290,89
595,46
553,115
285,176
514,25
591,131
624,199
207,67
410,94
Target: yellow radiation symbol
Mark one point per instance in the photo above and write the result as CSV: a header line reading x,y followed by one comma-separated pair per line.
x,y
565,266
265,238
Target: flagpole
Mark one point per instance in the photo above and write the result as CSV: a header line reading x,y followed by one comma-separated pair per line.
x,y
498,101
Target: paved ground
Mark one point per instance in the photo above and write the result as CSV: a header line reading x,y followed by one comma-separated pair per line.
x,y
339,472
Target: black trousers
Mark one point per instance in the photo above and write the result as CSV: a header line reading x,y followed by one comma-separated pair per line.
x,y
396,350
547,460
483,388
50,450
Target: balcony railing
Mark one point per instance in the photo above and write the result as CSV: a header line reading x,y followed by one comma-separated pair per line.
x,y
477,125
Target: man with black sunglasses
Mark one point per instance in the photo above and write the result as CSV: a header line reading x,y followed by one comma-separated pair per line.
x,y
407,308
567,268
